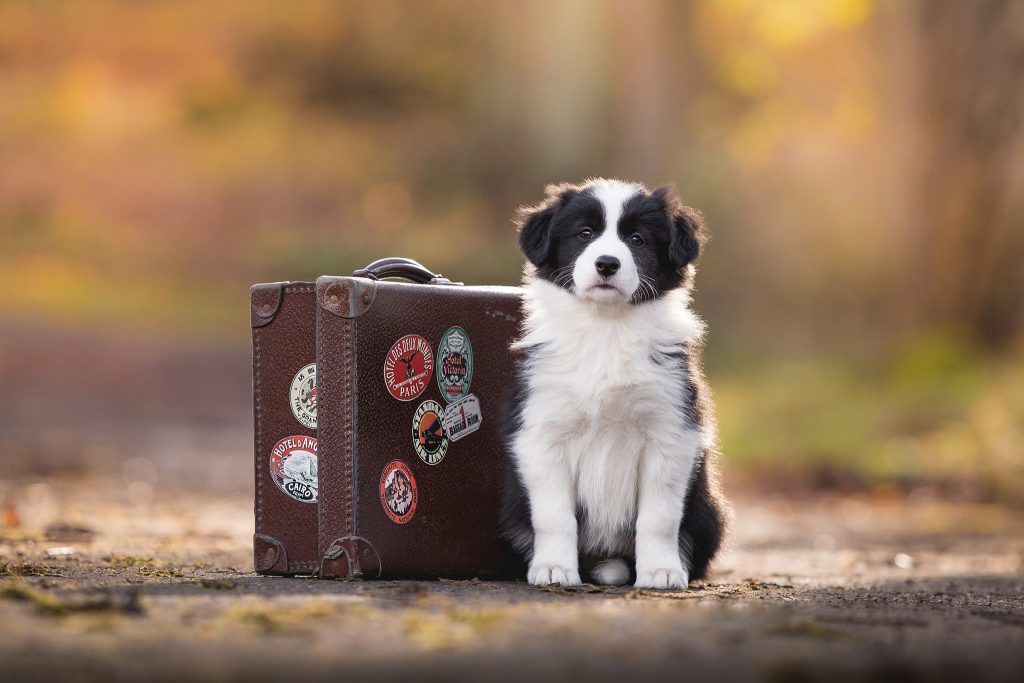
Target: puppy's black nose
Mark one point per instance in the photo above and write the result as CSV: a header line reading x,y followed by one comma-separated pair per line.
x,y
607,265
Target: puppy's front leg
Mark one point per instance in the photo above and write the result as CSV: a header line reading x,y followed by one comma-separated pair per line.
x,y
664,477
545,474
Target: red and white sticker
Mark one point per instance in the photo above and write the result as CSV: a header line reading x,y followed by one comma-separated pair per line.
x,y
462,418
293,467
408,367
398,492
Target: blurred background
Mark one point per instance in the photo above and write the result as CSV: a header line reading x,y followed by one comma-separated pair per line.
x,y
859,164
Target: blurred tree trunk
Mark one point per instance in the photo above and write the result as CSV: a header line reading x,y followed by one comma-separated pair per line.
x,y
970,251
642,120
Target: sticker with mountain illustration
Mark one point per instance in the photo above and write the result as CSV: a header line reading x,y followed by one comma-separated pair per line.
x,y
398,492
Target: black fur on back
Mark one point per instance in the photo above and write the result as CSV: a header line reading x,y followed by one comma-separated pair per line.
x,y
705,514
516,527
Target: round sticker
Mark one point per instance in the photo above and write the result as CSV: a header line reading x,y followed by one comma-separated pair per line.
x,y
428,437
303,396
408,367
455,364
293,467
398,492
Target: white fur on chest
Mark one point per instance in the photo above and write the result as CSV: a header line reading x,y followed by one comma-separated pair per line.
x,y
600,403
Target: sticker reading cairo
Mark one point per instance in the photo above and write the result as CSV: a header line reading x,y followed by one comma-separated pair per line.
x,y
302,396
408,367
398,494
428,437
293,467
454,364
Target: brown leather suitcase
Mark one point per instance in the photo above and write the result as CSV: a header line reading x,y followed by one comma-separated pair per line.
x,y
411,380
283,316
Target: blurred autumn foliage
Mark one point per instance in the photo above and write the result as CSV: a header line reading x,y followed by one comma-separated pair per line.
x,y
859,164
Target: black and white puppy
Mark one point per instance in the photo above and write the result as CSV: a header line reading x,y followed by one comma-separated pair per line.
x,y
610,431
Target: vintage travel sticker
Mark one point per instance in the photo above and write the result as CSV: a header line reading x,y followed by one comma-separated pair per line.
x,y
398,493
408,367
302,396
462,418
293,467
454,364
428,437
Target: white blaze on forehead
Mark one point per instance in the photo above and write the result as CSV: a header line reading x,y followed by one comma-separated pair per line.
x,y
613,195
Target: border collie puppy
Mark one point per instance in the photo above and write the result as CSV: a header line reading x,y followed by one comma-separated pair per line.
x,y
610,430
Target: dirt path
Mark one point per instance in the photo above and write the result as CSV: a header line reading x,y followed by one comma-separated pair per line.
x,y
830,588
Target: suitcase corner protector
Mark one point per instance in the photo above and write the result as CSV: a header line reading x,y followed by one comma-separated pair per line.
x,y
269,555
350,557
264,302
345,297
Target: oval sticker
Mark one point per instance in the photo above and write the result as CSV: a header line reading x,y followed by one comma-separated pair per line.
x,y
398,494
454,364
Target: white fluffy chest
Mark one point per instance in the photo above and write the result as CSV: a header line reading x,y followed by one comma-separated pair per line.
x,y
602,413
600,402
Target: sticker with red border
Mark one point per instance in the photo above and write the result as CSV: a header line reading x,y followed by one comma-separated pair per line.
x,y
398,493
408,367
293,467
428,437
462,418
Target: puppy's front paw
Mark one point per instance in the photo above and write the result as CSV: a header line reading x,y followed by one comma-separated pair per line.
x,y
545,574
662,578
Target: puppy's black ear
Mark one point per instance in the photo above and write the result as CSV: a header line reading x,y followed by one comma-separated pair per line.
x,y
535,233
688,231
535,224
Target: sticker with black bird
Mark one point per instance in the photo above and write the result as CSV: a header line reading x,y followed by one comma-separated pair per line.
x,y
408,367
428,435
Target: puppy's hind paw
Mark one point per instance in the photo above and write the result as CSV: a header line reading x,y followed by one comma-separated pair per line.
x,y
662,578
543,574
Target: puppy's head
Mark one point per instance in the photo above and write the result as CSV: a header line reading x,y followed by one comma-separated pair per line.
x,y
610,241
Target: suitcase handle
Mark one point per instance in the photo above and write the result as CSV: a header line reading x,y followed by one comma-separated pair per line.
x,y
406,268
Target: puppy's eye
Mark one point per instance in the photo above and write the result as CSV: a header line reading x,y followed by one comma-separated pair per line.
x,y
636,239
585,234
